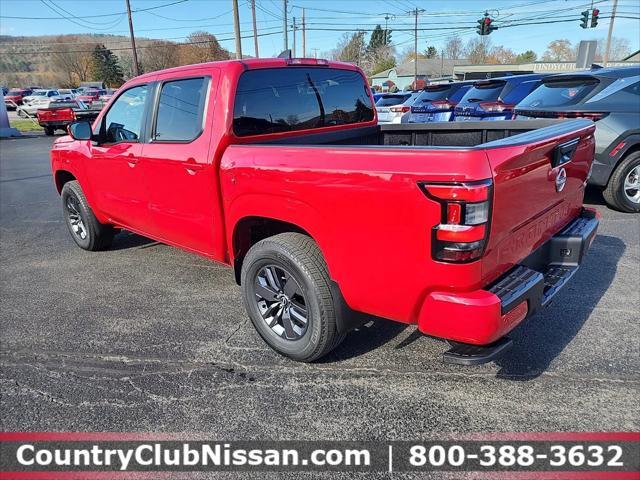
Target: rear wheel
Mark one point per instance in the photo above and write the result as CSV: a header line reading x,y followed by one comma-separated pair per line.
x,y
623,190
49,131
287,294
85,229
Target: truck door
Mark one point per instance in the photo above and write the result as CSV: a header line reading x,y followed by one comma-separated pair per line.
x,y
115,169
182,179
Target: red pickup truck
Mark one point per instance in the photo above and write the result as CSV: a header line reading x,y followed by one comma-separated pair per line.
x,y
277,167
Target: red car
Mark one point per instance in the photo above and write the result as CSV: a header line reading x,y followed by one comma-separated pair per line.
x,y
90,96
14,97
277,167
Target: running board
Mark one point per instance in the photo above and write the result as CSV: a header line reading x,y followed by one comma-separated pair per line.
x,y
466,354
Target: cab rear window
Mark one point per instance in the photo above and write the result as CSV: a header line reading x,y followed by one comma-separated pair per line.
x,y
559,93
299,98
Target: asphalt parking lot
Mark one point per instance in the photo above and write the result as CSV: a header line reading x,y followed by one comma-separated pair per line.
x,y
144,337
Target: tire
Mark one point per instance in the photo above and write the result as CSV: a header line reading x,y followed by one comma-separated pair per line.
x,y
86,230
49,131
615,193
290,257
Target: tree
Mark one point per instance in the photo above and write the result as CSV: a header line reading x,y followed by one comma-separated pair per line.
x,y
431,52
559,51
381,59
477,49
454,48
500,55
526,57
378,38
105,66
160,55
351,48
75,64
619,49
408,54
202,47
125,59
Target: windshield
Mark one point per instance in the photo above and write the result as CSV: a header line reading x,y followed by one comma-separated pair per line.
x,y
553,93
41,93
15,92
489,92
390,100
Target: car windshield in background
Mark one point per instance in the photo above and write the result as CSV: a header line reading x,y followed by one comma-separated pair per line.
x,y
41,93
433,94
488,92
15,92
299,98
559,93
390,100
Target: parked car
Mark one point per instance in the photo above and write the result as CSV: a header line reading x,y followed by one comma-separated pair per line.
x,y
610,97
436,102
494,99
15,97
392,106
92,95
41,95
68,93
326,216
60,113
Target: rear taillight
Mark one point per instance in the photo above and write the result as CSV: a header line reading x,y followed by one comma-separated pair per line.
x,y
307,61
442,105
400,109
495,107
590,115
462,233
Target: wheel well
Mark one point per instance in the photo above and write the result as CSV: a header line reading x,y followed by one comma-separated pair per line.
x,y
62,177
250,230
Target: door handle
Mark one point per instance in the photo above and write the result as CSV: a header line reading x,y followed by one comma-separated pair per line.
x,y
132,160
192,167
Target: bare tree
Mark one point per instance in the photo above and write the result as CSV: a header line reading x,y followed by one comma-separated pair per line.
x,y
500,54
477,50
160,55
620,49
454,48
559,51
75,64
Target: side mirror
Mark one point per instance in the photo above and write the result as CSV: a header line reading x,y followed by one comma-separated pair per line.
x,y
80,130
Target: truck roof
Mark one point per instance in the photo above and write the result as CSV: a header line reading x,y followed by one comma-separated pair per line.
x,y
255,63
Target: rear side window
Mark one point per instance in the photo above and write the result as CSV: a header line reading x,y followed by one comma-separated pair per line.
x,y
390,100
181,110
520,91
299,98
458,94
559,93
485,92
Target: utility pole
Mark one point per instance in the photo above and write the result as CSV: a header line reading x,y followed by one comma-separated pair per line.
x,y
613,17
136,71
294,37
315,52
284,24
416,12
236,28
255,28
304,37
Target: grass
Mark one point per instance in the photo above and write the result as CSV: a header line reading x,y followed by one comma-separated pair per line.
x,y
25,125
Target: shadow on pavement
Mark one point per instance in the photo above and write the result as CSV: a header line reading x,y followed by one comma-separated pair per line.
x,y
126,239
541,338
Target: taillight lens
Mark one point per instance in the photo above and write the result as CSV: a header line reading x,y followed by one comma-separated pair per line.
x,y
400,109
461,236
495,107
442,105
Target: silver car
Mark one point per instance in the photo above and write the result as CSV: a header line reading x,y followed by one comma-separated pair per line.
x,y
392,106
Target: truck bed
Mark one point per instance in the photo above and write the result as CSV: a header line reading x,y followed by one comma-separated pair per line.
x,y
441,134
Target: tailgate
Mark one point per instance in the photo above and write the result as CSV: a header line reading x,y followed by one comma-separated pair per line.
x,y
539,180
55,115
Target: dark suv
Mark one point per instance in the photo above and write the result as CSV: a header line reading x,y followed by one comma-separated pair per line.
x,y
610,97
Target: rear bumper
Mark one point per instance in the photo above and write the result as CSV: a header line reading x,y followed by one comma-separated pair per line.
x,y
483,316
56,124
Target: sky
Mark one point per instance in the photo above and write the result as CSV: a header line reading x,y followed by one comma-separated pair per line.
x,y
326,20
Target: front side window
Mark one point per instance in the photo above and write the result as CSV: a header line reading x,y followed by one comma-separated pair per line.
x,y
181,110
299,98
123,121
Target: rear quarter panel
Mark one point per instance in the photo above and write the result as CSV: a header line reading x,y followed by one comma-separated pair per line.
x,y
363,207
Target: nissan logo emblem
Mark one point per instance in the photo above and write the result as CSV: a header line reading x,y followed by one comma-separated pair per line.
x,y
561,179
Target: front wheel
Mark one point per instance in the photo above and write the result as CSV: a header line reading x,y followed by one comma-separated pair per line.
x,y
623,190
85,229
287,294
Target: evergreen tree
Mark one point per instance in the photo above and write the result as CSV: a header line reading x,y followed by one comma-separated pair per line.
x,y
105,66
378,38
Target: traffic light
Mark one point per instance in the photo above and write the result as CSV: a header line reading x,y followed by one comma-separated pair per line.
x,y
485,26
594,17
584,23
